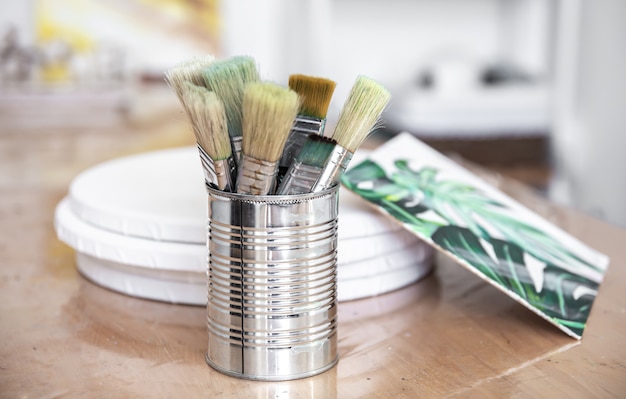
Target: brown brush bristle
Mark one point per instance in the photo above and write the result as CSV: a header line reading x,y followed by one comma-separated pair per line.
x,y
269,111
315,93
365,103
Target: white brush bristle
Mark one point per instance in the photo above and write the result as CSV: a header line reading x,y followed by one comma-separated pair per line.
x,y
360,113
269,111
188,71
208,119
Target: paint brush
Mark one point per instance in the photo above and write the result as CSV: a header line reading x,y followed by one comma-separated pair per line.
x,y
227,79
208,121
308,166
269,111
315,94
188,71
358,117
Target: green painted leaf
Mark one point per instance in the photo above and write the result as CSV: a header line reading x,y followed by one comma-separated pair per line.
x,y
486,234
556,296
467,246
401,203
365,171
467,206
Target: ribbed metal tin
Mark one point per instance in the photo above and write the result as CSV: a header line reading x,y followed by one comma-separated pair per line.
x,y
272,291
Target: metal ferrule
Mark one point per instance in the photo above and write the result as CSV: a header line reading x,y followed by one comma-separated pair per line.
x,y
303,127
300,179
235,143
308,124
208,167
221,173
255,176
335,166
226,173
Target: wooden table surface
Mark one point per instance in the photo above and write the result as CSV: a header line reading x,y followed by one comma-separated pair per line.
x,y
450,335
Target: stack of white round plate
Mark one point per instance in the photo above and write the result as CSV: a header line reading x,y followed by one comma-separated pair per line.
x,y
138,225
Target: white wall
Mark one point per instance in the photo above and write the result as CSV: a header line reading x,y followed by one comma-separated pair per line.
x,y
392,40
590,134
387,40
526,34
20,14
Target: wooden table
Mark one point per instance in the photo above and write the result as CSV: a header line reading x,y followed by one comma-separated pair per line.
x,y
450,335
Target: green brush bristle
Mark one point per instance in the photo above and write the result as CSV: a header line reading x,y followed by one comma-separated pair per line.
x,y
269,111
188,71
365,103
208,119
315,93
228,79
316,150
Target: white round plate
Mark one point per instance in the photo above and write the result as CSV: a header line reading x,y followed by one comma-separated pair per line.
x,y
134,251
160,196
103,244
191,287
138,225
157,195
108,245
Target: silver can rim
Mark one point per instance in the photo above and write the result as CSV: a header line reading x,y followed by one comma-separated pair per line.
x,y
272,199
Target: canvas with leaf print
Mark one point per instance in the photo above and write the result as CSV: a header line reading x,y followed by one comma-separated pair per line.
x,y
536,263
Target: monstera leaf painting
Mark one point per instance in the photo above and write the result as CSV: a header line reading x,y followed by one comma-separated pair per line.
x,y
533,261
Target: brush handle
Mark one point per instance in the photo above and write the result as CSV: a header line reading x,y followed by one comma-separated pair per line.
x,y
303,127
220,173
331,172
255,176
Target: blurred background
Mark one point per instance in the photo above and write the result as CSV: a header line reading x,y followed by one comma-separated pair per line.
x,y
532,89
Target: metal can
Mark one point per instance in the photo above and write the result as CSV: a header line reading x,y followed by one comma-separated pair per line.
x,y
272,284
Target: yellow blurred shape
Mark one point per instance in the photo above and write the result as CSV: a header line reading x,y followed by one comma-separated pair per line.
x,y
64,20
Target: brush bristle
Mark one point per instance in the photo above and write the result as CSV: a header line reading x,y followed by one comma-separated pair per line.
x,y
228,79
316,150
315,93
188,71
208,120
269,111
365,103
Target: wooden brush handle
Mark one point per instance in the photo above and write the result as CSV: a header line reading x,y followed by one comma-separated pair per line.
x,y
256,177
